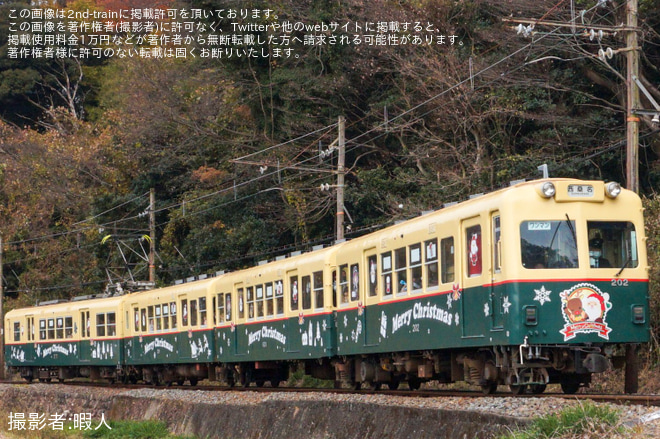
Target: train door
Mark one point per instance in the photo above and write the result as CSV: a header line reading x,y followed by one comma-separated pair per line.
x,y
475,300
240,339
292,293
29,353
85,347
497,290
185,331
368,296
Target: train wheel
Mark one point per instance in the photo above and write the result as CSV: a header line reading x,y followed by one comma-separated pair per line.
x,y
518,389
275,383
394,384
259,383
356,385
489,388
537,389
373,385
570,385
414,383
180,382
193,381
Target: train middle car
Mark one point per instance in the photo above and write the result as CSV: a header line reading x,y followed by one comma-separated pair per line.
x,y
543,282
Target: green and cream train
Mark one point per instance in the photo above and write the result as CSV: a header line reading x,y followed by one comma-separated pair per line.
x,y
542,282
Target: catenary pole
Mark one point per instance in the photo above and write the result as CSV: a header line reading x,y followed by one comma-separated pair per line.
x,y
341,144
152,236
632,98
2,317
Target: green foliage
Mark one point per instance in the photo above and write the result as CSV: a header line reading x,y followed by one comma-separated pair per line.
x,y
585,421
132,430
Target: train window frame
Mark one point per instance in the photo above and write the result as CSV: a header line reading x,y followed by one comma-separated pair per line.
x,y
17,331
194,317
344,295
293,293
240,291
111,324
203,314
269,300
59,328
184,313
68,327
259,301
355,282
30,328
249,301
173,317
166,316
416,266
474,251
386,270
306,293
431,268
51,329
228,300
100,324
447,260
143,320
279,297
136,318
42,329
220,302
609,241
497,242
151,319
158,317
555,244
317,287
372,264
401,271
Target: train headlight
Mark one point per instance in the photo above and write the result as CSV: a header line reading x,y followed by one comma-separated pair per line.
x,y
547,190
612,189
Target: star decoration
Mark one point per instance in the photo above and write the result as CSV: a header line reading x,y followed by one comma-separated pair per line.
x,y
542,295
506,304
450,299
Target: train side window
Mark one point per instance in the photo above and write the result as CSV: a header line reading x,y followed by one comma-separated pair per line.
x,y
144,319
355,282
42,329
250,302
17,331
221,308
111,322
202,311
293,285
59,333
136,318
318,289
373,276
228,307
193,313
184,312
100,325
386,269
241,303
173,314
497,237
431,263
150,314
159,324
68,327
306,292
447,259
259,290
473,250
343,284
166,316
30,328
400,266
279,297
51,329
269,300
416,266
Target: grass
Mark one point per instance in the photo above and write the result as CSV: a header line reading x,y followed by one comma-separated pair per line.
x,y
583,421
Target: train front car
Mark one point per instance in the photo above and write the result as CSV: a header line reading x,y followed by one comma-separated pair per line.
x,y
571,291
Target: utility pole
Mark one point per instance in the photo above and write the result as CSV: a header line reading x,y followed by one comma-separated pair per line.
x,y
632,98
152,236
341,144
2,317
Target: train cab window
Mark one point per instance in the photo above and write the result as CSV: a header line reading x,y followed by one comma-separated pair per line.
x,y
373,276
51,329
250,302
166,316
259,292
17,331
193,313
184,312
416,266
431,263
293,285
173,314
270,310
386,269
447,259
202,311
150,314
307,292
68,327
355,282
100,325
111,322
400,265
221,308
42,329
59,328
241,303
143,320
343,284
279,297
612,244
548,244
318,290
473,251
159,320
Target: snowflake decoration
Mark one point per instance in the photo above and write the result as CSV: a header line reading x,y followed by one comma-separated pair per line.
x,y
450,299
542,295
486,309
456,318
506,304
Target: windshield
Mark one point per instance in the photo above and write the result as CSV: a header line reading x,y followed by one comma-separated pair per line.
x,y
548,244
612,244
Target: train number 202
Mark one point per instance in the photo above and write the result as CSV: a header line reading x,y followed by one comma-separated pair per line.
x,y
619,282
